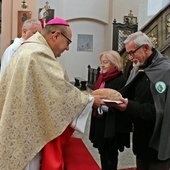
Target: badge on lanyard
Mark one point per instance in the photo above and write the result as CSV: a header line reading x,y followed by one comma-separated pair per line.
x,y
160,86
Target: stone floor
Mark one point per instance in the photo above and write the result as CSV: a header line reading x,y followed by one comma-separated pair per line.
x,y
126,159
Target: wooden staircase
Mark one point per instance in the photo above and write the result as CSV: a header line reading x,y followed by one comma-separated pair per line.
x,y
158,29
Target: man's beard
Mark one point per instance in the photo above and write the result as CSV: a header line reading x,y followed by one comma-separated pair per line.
x,y
136,63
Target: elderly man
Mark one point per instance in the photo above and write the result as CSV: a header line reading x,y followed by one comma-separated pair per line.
x,y
38,105
30,27
147,92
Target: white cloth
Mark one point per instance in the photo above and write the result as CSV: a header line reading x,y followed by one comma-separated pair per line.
x,y
102,109
35,163
105,108
9,52
79,122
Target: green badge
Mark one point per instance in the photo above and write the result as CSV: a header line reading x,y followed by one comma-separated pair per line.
x,y
160,86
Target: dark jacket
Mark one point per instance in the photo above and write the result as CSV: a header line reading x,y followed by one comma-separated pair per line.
x,y
150,107
113,123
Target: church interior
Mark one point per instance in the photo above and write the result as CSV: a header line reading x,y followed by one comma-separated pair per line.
x,y
97,26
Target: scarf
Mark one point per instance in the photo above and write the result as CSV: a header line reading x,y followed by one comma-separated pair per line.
x,y
103,77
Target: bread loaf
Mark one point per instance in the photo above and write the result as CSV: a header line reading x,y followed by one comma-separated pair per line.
x,y
109,93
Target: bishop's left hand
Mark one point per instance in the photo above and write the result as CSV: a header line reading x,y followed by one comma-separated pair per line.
x,y
98,101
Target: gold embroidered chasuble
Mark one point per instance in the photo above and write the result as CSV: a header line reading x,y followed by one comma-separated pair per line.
x,y
37,103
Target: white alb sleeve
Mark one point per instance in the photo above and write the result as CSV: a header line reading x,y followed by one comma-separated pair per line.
x,y
79,123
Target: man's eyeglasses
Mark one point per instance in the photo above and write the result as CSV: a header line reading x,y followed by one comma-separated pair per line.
x,y
68,40
133,52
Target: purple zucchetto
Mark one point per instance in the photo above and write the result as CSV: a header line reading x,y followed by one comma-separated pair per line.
x,y
57,21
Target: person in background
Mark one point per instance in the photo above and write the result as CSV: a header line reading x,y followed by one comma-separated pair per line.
x,y
30,27
109,131
39,107
147,103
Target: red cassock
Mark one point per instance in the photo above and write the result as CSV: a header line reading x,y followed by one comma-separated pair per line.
x,y
52,155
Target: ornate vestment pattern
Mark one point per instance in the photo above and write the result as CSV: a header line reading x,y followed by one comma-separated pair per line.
x,y
37,103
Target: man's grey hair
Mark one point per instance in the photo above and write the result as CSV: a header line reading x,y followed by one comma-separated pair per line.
x,y
29,22
139,39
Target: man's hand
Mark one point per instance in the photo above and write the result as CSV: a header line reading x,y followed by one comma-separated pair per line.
x,y
98,101
121,107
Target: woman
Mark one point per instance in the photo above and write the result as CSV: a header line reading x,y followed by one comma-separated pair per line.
x,y
110,131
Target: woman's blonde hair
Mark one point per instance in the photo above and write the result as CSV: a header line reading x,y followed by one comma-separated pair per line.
x,y
114,58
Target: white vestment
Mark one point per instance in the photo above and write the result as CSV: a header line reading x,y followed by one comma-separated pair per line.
x,y
9,52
